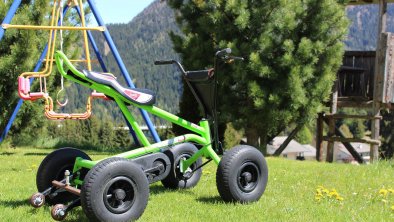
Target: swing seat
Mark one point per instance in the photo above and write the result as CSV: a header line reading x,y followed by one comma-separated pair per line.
x,y
24,90
134,95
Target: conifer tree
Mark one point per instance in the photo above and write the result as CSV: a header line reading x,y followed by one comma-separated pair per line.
x,y
292,50
19,50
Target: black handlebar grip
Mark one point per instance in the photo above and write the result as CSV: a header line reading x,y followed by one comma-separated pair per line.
x,y
199,75
223,52
164,62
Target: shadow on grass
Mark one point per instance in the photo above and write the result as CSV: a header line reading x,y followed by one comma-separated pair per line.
x,y
36,154
6,154
211,200
158,189
14,203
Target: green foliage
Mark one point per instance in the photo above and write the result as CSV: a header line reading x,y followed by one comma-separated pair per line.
x,y
356,127
304,136
93,133
122,138
292,49
346,131
19,50
232,137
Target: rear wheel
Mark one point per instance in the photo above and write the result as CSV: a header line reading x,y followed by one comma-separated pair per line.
x,y
114,190
242,175
53,167
176,179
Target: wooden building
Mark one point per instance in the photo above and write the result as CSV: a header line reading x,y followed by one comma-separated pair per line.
x,y
365,81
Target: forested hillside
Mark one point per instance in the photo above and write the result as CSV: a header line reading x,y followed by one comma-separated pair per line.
x,y
364,26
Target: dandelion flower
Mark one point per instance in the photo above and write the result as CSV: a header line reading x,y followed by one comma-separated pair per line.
x,y
383,192
339,198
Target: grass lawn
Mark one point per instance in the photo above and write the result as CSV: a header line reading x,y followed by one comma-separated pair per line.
x,y
290,194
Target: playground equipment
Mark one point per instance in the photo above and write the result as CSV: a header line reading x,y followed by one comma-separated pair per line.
x,y
116,188
59,10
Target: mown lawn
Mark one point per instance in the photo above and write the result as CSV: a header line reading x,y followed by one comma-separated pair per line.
x,y
290,194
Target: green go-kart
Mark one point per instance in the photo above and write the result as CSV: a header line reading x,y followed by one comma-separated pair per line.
x,y
117,188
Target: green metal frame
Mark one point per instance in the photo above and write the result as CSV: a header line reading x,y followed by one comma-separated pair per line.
x,y
202,136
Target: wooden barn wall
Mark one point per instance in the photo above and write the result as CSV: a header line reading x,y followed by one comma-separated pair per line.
x,y
361,83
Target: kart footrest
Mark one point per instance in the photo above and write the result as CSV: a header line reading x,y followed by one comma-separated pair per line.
x,y
68,188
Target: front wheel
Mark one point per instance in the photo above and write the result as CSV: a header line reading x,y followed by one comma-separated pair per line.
x,y
114,190
242,175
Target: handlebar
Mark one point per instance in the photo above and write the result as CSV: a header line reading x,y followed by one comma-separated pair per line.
x,y
169,62
223,54
164,62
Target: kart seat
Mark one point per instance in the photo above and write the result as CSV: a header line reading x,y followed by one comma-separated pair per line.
x,y
134,95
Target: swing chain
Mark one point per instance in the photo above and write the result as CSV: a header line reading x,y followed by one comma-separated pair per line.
x,y
62,89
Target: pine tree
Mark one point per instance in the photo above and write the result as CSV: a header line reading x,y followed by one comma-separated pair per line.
x,y
19,49
106,136
122,138
292,50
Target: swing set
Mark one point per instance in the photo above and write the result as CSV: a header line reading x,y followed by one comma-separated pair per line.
x,y
24,79
116,188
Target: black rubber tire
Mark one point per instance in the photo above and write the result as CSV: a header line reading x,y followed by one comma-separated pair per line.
x,y
175,179
109,180
242,175
53,167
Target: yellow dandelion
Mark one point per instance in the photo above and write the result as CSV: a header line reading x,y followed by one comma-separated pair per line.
x,y
333,193
391,190
383,192
326,191
339,198
319,195
392,207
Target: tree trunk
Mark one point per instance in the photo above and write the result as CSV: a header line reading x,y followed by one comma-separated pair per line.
x,y
252,137
263,143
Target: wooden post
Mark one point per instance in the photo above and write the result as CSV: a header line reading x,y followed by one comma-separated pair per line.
x,y
288,140
379,78
347,145
319,137
331,125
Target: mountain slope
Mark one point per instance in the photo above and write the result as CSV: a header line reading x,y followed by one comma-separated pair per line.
x,y
364,26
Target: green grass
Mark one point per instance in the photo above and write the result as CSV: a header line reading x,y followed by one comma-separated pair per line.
x,y
290,194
